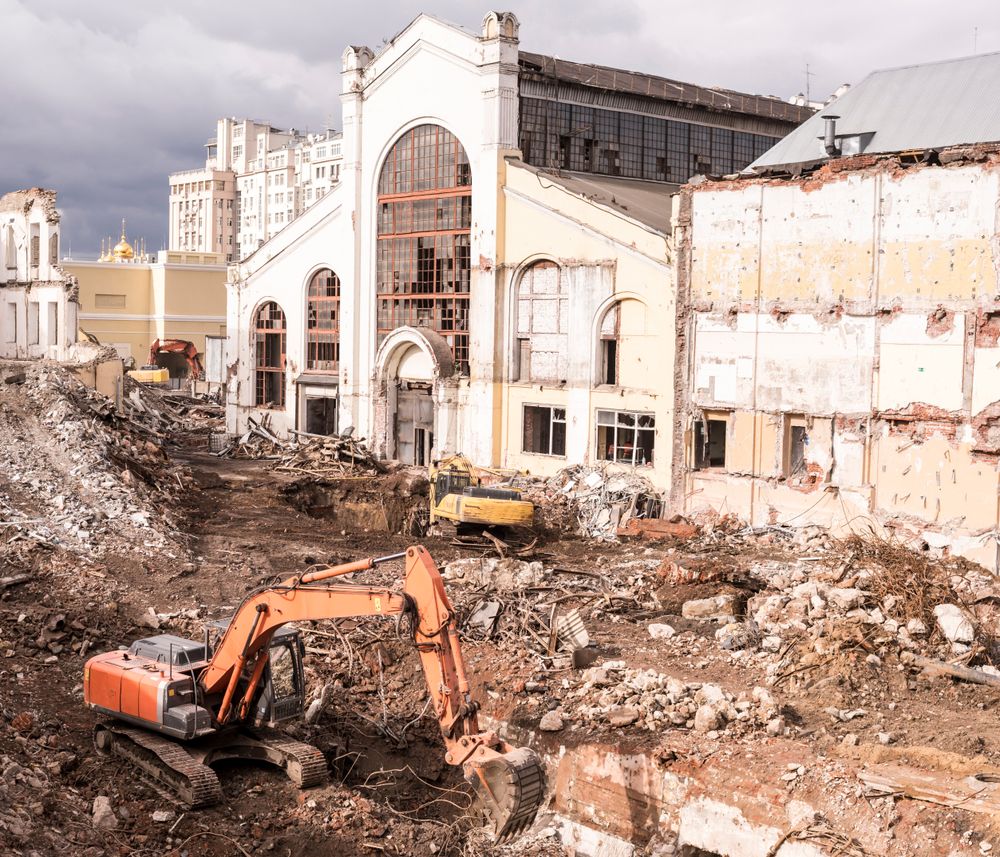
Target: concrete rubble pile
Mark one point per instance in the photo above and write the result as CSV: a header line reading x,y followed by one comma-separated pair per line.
x,y
618,696
309,455
79,474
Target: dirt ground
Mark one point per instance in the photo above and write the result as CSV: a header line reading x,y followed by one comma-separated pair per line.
x,y
238,524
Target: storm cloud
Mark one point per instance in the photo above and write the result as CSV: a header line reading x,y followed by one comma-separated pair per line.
x,y
101,100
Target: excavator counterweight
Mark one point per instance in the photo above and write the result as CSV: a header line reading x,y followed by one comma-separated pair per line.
x,y
177,706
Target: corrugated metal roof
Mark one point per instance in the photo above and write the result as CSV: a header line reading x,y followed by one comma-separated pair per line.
x,y
650,86
930,106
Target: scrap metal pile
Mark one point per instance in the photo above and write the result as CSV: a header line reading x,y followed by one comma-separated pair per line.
x,y
594,502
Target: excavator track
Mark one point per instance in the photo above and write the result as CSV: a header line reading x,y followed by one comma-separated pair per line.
x,y
513,786
167,766
304,764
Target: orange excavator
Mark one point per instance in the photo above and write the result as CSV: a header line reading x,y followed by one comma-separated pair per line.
x,y
177,346
178,706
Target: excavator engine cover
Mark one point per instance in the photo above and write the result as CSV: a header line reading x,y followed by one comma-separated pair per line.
x,y
510,788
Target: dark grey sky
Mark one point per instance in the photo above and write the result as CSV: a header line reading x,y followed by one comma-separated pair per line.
x,y
102,100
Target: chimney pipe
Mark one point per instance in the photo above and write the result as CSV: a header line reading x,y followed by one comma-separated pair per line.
x,y
830,134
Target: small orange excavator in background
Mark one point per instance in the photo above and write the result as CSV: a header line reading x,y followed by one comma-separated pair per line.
x,y
176,346
178,706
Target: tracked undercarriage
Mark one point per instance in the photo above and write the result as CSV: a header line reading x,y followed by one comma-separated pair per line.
x,y
184,773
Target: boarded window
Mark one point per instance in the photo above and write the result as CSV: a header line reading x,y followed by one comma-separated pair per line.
x,y
35,251
53,249
53,331
109,301
544,430
543,323
33,323
10,327
626,437
710,443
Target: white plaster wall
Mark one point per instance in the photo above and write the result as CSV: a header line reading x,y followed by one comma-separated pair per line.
x,y
799,364
917,367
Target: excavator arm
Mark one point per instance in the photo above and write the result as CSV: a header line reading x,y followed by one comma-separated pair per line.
x,y
509,781
177,346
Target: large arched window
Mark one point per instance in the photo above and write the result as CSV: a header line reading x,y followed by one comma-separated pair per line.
x,y
542,325
269,342
323,321
424,222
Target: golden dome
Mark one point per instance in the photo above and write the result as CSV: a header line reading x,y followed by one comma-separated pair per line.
x,y
123,250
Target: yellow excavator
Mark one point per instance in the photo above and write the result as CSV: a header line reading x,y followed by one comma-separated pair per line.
x,y
457,494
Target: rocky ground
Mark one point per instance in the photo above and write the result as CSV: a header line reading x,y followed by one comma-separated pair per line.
x,y
112,526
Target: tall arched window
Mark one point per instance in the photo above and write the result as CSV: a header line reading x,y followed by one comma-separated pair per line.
x,y
424,223
542,325
269,341
323,321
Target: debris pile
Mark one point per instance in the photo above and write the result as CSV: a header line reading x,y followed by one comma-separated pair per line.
x,y
81,475
595,502
311,455
618,696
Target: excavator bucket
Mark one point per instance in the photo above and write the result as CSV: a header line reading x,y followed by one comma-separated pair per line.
x,y
510,789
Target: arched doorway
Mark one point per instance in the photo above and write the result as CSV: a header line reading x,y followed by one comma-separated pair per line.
x,y
410,365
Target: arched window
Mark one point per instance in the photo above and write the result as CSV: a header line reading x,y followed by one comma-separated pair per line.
x,y
625,358
424,223
542,347
269,341
323,321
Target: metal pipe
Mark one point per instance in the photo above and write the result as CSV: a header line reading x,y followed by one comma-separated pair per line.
x,y
830,134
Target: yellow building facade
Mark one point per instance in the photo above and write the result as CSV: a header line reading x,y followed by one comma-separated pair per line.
x,y
129,305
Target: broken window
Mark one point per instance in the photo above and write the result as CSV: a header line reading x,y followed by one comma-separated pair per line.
x,y
542,327
625,437
710,443
269,335
610,327
625,352
323,322
796,441
619,142
544,430
424,228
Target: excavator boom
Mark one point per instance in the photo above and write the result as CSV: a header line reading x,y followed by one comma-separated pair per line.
x,y
225,689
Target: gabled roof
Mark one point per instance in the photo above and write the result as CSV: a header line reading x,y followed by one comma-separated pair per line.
x,y
662,88
917,107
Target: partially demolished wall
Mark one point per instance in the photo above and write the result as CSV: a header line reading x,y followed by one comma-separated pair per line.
x,y
841,348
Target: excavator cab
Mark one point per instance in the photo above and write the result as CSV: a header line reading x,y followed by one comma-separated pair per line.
x,y
282,691
282,695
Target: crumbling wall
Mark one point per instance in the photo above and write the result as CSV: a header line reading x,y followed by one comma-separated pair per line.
x,y
844,325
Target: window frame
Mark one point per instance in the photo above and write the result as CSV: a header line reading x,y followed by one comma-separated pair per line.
x,y
600,451
552,422
315,331
276,324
